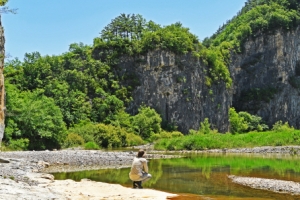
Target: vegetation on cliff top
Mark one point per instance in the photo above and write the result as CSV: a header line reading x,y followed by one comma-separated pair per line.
x,y
77,98
255,18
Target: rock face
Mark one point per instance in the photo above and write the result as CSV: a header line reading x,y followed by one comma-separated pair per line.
x,y
175,87
266,77
266,82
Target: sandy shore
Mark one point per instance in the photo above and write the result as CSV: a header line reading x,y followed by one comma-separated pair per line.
x,y
91,190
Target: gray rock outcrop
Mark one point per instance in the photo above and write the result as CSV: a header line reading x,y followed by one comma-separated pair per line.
x,y
174,85
266,77
266,82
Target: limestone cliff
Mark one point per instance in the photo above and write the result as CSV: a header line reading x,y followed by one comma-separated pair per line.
x,y
266,82
266,77
175,87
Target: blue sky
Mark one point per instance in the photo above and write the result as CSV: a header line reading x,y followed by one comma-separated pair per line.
x,y
50,26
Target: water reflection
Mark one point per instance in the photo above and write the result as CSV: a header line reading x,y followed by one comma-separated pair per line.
x,y
205,175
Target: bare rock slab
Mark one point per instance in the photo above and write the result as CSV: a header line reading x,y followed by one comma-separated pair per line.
x,y
279,186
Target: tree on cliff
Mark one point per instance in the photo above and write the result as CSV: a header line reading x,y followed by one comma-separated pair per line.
x,y
3,2
124,26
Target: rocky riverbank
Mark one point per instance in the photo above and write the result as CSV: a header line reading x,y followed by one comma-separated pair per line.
x,y
25,175
293,150
278,186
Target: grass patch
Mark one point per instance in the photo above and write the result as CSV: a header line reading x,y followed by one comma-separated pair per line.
x,y
219,141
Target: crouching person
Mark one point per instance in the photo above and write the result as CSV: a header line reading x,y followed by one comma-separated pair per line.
x,y
139,170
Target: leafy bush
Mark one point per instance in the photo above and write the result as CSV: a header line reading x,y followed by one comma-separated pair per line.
x,y
204,127
34,116
73,139
109,136
147,122
237,123
280,126
133,140
254,122
19,144
244,122
165,134
91,146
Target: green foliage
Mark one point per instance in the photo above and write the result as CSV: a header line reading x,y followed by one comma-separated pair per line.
x,y
19,144
109,136
244,122
3,2
219,141
258,94
173,37
165,134
237,123
84,129
254,122
217,60
105,135
146,123
257,16
33,116
133,140
91,146
73,140
204,127
81,89
280,127
125,27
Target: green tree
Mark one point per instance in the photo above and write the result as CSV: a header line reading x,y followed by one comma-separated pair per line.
x,y
147,122
237,123
34,116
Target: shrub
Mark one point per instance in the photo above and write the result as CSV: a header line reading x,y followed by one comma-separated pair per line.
x,y
237,123
91,146
147,122
20,144
133,139
254,122
109,136
280,126
176,134
73,139
205,127
85,129
165,135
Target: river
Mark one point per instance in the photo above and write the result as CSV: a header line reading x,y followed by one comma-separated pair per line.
x,y
204,176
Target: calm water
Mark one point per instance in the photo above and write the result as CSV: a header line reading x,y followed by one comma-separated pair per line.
x,y
205,176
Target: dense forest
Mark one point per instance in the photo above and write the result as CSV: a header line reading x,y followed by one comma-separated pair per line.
x,y
78,99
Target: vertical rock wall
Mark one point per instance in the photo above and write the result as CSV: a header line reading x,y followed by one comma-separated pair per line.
x,y
266,77
175,87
